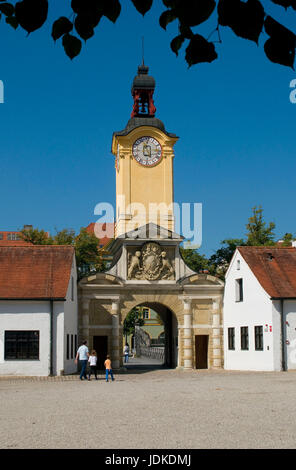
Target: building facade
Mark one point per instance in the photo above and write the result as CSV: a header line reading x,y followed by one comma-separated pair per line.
x,y
260,309
148,269
38,310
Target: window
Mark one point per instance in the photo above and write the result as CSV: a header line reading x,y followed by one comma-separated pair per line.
x,y
238,290
143,312
1,236
21,345
231,337
72,289
72,346
238,265
68,347
259,338
146,313
244,338
13,236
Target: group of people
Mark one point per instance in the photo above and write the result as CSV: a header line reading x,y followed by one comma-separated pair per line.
x,y
85,357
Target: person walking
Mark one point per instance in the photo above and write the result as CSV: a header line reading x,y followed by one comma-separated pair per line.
x,y
82,355
126,352
108,367
93,364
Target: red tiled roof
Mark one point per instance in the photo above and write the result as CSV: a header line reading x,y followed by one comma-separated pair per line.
x,y
96,228
274,267
35,272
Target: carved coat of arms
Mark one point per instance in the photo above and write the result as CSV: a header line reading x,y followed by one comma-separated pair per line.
x,y
151,263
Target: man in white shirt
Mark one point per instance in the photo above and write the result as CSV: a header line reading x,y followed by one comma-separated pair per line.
x,y
82,355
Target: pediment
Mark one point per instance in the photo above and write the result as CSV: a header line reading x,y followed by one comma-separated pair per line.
x,y
151,231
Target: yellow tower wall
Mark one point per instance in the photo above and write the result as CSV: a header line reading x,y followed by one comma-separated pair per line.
x,y
138,187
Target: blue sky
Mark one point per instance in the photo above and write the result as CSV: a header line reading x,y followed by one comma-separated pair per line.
x,y
234,119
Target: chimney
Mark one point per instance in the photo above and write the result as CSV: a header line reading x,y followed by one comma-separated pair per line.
x,y
28,227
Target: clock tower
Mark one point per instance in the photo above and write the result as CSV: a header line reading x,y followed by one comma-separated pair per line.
x,y
143,163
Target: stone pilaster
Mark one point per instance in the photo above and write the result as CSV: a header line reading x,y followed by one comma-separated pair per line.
x,y
115,356
217,347
187,338
84,326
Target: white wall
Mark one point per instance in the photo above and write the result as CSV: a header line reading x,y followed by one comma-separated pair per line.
x,y
70,321
26,315
255,310
36,315
289,308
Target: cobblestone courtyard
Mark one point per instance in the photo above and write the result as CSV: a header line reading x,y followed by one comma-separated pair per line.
x,y
151,410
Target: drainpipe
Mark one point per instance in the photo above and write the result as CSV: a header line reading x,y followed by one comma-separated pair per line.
x,y
51,339
283,326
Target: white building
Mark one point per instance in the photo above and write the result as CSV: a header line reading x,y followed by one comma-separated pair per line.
x,y
38,310
260,309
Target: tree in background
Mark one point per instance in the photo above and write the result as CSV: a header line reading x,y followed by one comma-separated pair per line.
x,y
258,232
287,239
220,260
247,19
64,237
35,236
88,256
133,319
194,259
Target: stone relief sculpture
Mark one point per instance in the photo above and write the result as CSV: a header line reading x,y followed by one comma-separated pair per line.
x,y
151,263
134,264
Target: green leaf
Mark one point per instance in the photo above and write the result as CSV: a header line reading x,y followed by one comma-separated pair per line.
x,y
186,31
7,9
275,29
176,43
72,45
170,3
31,14
167,17
200,50
246,19
143,5
280,47
12,21
83,27
286,3
60,27
112,9
194,12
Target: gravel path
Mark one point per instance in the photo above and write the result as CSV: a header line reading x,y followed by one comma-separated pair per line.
x,y
152,410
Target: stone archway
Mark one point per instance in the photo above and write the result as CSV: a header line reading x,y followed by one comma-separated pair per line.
x,y
169,328
194,299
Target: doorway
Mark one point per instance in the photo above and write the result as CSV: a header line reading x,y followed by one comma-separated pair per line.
x,y
201,351
100,344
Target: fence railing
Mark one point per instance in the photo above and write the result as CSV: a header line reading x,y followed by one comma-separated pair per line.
x,y
151,352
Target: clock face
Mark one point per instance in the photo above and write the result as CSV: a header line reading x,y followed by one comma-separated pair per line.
x,y
147,151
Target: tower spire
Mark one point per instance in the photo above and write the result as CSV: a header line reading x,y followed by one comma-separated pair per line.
x,y
143,50
142,91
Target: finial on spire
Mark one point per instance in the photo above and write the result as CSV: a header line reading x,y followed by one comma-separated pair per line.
x,y
143,62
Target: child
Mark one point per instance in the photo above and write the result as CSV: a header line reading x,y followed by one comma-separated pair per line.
x,y
93,364
108,366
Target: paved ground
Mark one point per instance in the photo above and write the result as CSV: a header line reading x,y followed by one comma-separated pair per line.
x,y
151,409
